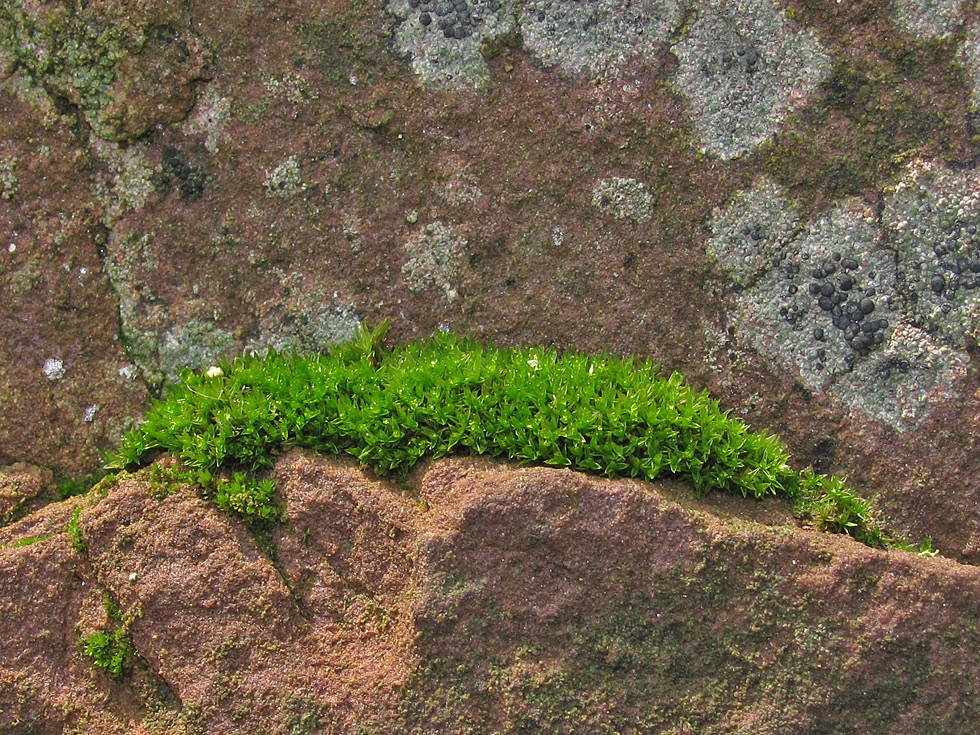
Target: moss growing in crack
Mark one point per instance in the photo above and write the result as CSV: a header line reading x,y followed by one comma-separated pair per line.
x,y
108,649
598,414
74,531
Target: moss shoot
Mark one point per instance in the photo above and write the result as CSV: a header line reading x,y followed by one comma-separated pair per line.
x,y
452,395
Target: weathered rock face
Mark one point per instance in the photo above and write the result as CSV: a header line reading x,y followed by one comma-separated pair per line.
x,y
479,598
183,180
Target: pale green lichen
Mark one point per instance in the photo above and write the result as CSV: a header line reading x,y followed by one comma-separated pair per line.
x,y
128,182
742,68
285,179
290,87
623,199
436,256
209,117
8,179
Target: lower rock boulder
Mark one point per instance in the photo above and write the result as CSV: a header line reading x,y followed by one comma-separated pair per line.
x,y
476,597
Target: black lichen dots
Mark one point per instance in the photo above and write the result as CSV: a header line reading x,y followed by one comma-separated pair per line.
x,y
176,171
937,283
425,19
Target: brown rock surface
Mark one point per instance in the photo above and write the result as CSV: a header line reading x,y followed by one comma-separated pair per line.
x,y
182,180
479,597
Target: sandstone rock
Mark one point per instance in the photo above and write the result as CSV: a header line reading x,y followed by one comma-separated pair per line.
x,y
479,597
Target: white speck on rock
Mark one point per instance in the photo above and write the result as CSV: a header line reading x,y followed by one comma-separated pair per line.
x,y
54,369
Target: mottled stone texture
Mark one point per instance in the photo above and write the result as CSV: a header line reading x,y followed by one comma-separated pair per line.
x,y
478,598
181,181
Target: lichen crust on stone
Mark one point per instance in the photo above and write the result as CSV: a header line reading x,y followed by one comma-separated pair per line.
x,y
595,36
852,302
928,18
742,69
623,198
443,38
447,40
751,231
435,258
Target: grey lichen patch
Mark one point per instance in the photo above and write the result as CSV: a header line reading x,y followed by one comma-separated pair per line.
x,y
901,385
623,199
928,18
54,369
751,231
128,181
448,40
834,301
208,117
827,299
435,258
742,69
305,322
194,345
934,219
595,36
285,179
443,38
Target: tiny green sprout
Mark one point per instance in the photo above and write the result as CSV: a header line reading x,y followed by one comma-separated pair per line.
x,y
107,651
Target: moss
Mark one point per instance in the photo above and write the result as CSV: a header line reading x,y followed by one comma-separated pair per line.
x,y
589,413
109,649
74,532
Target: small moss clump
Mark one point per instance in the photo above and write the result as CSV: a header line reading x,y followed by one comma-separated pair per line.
x,y
107,649
452,395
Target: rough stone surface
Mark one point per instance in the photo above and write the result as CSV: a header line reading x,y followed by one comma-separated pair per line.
x,y
482,598
185,180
